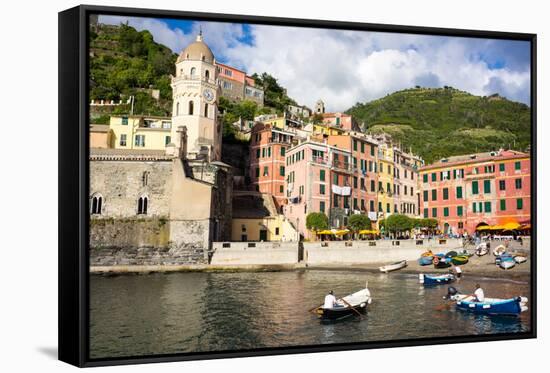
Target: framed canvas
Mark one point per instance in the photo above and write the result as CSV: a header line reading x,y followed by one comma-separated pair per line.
x,y
238,186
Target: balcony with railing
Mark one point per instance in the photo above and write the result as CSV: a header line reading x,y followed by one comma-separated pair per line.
x,y
319,160
197,78
341,165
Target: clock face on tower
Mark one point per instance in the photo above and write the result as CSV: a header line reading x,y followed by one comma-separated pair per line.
x,y
208,95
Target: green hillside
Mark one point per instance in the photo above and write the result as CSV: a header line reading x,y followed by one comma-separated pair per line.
x,y
125,62
440,122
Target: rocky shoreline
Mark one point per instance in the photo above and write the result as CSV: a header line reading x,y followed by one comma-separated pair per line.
x,y
477,266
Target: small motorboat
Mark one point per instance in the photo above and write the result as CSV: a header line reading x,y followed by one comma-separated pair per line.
x,y
350,305
459,260
499,250
491,306
450,254
425,260
481,249
441,262
520,259
394,266
427,253
429,280
506,262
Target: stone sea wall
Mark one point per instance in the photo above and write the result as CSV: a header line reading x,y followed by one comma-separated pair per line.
x,y
146,242
254,253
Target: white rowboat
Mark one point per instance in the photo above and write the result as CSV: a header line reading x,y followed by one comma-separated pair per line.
x,y
394,266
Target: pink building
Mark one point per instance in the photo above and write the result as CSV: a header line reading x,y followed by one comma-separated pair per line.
x,y
268,146
363,176
464,192
341,120
309,181
236,85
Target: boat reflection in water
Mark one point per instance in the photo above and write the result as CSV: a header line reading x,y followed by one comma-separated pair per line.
x,y
194,312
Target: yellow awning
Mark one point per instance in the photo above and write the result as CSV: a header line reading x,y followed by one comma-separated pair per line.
x,y
368,231
483,228
341,232
324,232
511,226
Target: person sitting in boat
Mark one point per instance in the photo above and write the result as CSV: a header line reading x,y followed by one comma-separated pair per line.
x,y
479,295
330,300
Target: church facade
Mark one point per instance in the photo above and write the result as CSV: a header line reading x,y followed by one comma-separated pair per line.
x,y
166,205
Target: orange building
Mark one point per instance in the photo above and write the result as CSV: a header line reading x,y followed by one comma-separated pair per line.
x,y
469,191
268,146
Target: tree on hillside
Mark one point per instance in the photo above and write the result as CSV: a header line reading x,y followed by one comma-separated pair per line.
x,y
316,221
247,109
274,94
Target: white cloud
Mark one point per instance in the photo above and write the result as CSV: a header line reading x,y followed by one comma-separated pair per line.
x,y
345,67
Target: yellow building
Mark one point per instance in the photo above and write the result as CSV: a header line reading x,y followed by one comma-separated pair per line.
x,y
278,122
255,218
100,136
325,129
140,132
386,186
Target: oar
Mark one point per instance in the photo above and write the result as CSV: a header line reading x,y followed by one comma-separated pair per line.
x,y
447,304
315,308
350,306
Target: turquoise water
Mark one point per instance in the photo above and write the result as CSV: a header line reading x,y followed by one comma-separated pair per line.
x,y
152,314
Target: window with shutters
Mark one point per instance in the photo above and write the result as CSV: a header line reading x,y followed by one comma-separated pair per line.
x,y
519,203
486,186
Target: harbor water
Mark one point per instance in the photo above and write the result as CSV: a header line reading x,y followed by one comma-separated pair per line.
x,y
164,313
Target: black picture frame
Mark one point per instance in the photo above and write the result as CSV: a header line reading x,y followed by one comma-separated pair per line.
x,y
73,165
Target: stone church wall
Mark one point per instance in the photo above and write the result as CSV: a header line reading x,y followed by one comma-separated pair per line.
x,y
121,183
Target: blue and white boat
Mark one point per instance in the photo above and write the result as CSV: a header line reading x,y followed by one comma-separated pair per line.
x,y
491,306
425,260
429,280
505,261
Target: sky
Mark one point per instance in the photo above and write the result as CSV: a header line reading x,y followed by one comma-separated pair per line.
x,y
344,67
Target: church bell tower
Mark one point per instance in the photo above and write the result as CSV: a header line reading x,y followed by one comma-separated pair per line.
x,y
195,95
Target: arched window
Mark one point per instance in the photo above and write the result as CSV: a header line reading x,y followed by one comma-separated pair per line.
x,y
145,178
142,205
181,72
207,74
206,110
177,108
193,72
96,204
191,106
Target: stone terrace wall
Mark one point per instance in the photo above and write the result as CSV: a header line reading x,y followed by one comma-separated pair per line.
x,y
129,232
146,242
381,251
255,253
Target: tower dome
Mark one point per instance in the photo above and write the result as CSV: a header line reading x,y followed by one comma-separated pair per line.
x,y
197,50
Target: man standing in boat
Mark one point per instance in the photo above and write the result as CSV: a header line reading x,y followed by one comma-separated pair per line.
x,y
330,300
